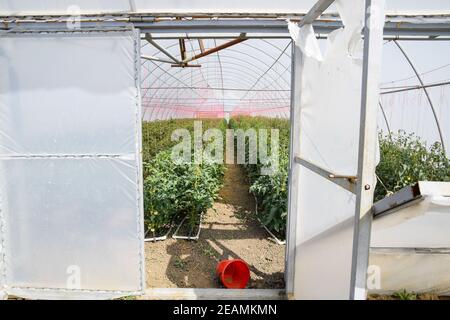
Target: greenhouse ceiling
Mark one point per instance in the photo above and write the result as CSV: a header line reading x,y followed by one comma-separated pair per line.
x,y
253,76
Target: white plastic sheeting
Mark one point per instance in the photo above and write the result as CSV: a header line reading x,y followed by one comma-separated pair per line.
x,y
70,176
410,248
118,6
329,98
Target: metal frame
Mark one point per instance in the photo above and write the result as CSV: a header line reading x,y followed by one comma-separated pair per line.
x,y
365,184
291,234
394,28
400,26
148,37
418,87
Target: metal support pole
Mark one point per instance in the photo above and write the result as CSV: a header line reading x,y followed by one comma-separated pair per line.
x,y
315,12
365,185
294,148
152,58
182,49
433,27
426,92
431,85
201,45
157,46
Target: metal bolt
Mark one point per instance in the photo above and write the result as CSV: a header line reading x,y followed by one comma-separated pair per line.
x,y
367,187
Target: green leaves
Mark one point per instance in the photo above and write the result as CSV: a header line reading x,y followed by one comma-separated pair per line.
x,y
197,187
173,191
406,159
271,191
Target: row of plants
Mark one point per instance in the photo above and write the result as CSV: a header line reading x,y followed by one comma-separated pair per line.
x,y
176,190
271,191
404,160
172,190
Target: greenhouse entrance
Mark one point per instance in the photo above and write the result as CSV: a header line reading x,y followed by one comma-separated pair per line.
x,y
330,158
237,90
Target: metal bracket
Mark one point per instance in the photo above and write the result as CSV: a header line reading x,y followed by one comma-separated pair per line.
x,y
402,198
344,181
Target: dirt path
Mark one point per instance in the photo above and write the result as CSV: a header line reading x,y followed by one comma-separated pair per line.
x,y
229,230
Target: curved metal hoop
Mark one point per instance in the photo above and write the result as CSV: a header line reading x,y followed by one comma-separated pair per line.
x,y
425,90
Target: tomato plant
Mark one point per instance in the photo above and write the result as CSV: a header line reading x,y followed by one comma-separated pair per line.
x,y
406,159
160,196
271,191
176,190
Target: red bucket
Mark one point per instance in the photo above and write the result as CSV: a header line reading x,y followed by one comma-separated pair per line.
x,y
234,273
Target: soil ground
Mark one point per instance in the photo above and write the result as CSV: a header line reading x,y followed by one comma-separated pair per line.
x,y
229,231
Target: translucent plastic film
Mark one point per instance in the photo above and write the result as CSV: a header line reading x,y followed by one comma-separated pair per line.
x,y
70,177
22,7
410,245
329,98
423,224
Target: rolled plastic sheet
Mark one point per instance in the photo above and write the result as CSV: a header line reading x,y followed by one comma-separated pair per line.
x,y
70,168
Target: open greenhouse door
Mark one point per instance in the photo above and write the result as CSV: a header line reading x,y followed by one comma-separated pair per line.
x,y
70,168
333,154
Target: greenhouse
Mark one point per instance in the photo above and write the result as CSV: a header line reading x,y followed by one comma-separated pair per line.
x,y
247,150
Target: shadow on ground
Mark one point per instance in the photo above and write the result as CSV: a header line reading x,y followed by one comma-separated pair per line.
x,y
229,231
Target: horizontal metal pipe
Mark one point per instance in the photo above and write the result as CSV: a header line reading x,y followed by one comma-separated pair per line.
x,y
182,65
157,46
418,87
213,88
152,58
212,28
